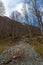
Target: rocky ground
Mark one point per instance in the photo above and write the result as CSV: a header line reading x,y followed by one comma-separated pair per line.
x,y
20,54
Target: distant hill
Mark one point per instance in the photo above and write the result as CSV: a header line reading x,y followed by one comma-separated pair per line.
x,y
8,26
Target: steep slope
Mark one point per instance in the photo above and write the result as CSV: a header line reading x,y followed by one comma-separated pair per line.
x,y
8,26
20,31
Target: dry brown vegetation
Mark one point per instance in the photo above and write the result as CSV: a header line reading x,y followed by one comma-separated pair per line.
x,y
21,32
9,27
37,43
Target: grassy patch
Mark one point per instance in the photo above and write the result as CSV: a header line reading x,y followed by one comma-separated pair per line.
x,y
2,48
39,49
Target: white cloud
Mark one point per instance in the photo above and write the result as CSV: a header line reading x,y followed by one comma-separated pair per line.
x,y
6,6
19,7
9,5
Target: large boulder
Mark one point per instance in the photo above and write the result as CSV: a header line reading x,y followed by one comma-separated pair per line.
x,y
20,54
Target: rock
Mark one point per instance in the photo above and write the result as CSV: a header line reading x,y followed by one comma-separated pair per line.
x,y
21,54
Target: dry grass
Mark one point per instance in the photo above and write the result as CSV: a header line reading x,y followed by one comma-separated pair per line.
x,y
2,48
38,45
39,49
5,44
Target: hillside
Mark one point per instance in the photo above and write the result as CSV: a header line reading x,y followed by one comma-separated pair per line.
x,y
8,26
21,32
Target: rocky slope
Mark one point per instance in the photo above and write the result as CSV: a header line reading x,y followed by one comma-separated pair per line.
x,y
21,54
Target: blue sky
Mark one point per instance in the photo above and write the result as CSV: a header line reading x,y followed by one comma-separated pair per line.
x,y
11,5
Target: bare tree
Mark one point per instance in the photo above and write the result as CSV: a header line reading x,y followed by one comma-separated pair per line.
x,y
26,18
37,14
12,15
42,2
2,9
15,15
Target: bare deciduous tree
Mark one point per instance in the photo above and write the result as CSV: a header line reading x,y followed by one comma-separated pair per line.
x,y
26,18
37,13
12,15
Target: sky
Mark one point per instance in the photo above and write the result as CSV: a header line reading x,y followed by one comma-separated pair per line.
x,y
11,5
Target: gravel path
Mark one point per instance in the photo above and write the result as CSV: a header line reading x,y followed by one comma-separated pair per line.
x,y
20,54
